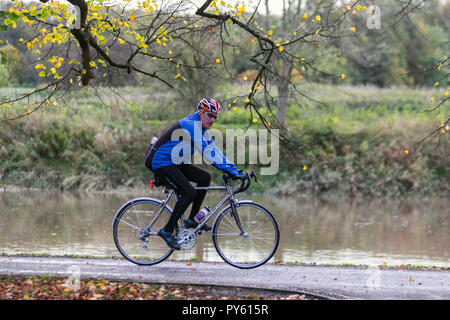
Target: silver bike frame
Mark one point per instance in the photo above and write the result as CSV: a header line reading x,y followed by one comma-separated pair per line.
x,y
229,196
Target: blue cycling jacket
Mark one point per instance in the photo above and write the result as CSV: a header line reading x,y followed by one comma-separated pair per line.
x,y
178,143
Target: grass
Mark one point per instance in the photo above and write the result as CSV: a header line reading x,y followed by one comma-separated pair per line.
x,y
355,139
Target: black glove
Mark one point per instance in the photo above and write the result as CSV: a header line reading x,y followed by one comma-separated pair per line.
x,y
236,176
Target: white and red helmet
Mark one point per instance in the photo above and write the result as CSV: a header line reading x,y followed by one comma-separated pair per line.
x,y
209,105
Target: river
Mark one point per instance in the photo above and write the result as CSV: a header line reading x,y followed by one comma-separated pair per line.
x,y
332,230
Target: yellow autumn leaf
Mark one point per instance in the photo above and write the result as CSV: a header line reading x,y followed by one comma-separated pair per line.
x,y
343,76
318,18
305,16
360,8
353,29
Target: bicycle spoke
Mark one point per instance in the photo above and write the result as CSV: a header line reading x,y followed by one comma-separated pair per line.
x,y
137,216
129,224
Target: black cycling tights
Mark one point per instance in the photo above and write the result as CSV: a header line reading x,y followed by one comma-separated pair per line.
x,y
177,177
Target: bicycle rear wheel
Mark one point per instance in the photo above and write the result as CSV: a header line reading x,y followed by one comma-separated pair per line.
x,y
133,239
255,245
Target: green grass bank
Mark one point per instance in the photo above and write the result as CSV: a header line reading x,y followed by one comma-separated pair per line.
x,y
356,138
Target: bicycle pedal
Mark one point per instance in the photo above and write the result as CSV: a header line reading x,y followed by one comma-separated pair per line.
x,y
201,232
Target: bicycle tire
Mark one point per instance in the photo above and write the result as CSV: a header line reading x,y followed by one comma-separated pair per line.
x,y
128,224
250,250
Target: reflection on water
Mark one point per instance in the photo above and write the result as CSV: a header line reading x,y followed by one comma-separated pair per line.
x,y
332,230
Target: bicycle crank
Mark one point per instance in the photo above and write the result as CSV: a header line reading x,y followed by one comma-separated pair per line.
x,y
186,239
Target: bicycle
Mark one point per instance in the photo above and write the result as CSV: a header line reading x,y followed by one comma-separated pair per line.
x,y
241,225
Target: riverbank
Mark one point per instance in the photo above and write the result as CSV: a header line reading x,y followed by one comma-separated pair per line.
x,y
358,141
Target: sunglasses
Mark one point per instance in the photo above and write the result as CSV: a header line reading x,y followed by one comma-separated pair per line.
x,y
211,115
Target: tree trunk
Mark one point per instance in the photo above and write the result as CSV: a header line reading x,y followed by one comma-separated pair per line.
x,y
283,93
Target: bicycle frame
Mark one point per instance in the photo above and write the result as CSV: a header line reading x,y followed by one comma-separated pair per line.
x,y
228,197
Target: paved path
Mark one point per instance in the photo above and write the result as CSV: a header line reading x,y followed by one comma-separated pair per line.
x,y
334,282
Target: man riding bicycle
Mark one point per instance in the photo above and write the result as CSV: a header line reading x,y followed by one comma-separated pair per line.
x,y
172,166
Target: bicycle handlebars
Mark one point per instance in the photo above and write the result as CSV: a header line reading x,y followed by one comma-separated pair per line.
x,y
246,181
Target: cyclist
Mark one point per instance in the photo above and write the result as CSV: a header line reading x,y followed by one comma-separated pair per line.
x,y
172,167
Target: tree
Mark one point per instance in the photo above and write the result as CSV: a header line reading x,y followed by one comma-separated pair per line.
x,y
83,42
87,42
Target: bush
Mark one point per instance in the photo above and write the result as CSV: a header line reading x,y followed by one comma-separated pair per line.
x,y
52,141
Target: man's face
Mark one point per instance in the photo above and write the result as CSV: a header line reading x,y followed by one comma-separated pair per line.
x,y
208,119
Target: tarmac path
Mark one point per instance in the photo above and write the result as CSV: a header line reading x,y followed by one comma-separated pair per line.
x,y
323,281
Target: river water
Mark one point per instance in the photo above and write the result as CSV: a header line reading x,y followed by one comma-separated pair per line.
x,y
333,230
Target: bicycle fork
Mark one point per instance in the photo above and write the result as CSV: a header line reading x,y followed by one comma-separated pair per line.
x,y
235,214
234,211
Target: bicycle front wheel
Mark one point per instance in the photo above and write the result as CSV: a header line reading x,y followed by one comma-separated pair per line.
x,y
250,245
135,231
